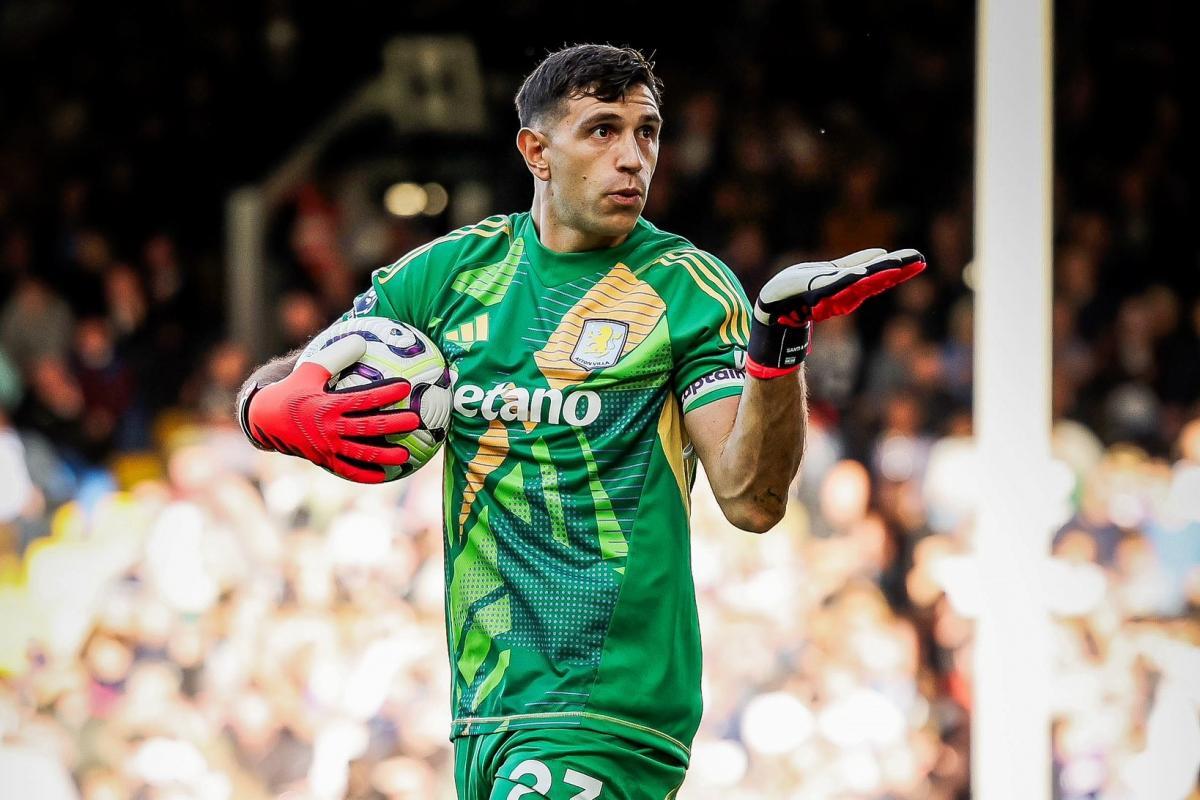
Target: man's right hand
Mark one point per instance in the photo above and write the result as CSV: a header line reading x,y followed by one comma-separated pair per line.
x,y
340,430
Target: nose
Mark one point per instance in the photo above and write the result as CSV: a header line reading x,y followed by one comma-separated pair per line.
x,y
629,154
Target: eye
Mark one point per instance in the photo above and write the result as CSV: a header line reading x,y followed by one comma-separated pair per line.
x,y
602,130
649,132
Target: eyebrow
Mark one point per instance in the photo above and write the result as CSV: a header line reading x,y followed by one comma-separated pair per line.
x,y
606,116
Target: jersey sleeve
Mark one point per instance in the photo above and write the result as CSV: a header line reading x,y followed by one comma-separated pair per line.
x,y
403,290
408,289
709,317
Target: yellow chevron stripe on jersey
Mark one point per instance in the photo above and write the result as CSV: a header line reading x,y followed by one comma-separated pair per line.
x,y
743,322
487,229
672,438
493,449
717,278
618,296
692,267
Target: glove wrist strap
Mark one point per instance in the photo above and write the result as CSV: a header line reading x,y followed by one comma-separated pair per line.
x,y
777,348
243,414
756,370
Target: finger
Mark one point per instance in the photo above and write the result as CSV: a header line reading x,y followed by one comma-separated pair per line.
x,y
909,256
357,472
849,295
859,258
895,269
389,456
337,355
382,424
376,395
899,259
886,279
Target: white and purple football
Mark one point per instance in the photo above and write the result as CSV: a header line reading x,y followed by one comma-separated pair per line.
x,y
398,350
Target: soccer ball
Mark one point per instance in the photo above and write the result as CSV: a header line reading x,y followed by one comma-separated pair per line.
x,y
398,350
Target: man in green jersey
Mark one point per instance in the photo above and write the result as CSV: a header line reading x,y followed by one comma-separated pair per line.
x,y
597,358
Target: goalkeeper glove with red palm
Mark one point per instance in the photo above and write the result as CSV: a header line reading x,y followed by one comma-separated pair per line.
x,y
789,303
338,429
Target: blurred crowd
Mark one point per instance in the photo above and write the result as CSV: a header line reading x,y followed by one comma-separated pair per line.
x,y
184,617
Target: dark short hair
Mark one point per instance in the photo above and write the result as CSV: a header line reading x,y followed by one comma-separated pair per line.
x,y
597,70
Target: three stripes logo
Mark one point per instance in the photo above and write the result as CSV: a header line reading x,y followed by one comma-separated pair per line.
x,y
469,333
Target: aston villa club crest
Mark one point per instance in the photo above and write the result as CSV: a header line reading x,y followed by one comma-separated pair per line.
x,y
600,344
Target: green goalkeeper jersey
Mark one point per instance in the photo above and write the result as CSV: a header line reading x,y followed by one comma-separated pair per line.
x,y
569,594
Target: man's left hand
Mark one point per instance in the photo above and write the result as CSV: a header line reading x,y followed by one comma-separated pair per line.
x,y
802,294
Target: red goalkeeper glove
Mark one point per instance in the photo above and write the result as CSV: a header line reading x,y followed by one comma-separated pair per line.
x,y
341,430
789,303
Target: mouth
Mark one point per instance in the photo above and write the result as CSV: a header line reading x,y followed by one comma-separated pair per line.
x,y
626,197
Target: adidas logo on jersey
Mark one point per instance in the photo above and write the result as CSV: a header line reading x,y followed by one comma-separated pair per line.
x,y
469,333
512,403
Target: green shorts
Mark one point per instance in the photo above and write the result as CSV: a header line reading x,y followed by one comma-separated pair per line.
x,y
562,764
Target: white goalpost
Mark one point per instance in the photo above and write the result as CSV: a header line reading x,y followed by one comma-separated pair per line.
x,y
1013,168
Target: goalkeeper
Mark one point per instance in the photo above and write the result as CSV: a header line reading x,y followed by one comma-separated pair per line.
x,y
597,357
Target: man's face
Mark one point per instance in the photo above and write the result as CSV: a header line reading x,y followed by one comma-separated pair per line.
x,y
601,158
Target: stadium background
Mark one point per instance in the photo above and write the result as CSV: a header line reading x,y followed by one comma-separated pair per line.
x,y
183,617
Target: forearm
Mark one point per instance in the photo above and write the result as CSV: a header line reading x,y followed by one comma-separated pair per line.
x,y
763,451
274,370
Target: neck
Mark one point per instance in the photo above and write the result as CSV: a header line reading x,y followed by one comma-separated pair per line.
x,y
560,236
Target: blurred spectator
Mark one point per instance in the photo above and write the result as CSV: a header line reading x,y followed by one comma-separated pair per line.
x,y
958,353
857,221
314,239
833,367
300,319
16,490
54,406
35,323
213,389
125,300
111,417
175,324
888,370
10,383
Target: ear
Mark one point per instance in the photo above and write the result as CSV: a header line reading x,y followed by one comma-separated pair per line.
x,y
533,146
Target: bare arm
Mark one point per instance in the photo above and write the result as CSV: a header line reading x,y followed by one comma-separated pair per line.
x,y
274,370
751,448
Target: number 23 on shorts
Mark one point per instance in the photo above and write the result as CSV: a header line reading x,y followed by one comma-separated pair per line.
x,y
589,788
